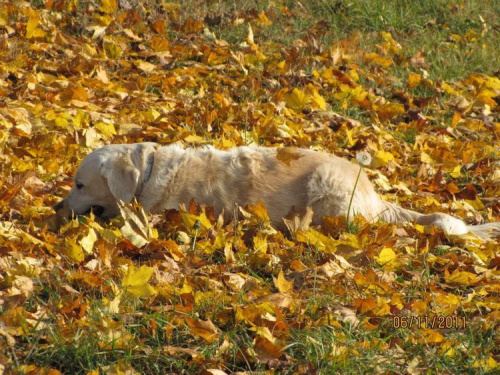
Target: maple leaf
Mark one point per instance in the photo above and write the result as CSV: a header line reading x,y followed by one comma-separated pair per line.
x,y
203,328
283,285
136,227
135,281
258,212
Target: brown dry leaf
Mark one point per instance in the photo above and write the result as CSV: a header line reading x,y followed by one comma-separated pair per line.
x,y
175,350
203,328
266,350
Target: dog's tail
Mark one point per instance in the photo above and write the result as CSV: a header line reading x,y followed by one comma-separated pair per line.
x,y
394,214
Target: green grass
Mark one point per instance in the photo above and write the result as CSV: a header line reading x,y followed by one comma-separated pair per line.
x,y
438,28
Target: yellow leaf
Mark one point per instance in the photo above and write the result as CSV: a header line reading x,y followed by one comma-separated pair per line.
x,y
317,239
262,20
250,39
413,80
4,16
460,277
193,138
382,158
190,221
376,59
73,250
80,119
109,6
135,281
449,89
287,154
283,285
420,228
260,243
151,114
387,255
122,367
185,289
297,99
317,101
456,172
456,118
426,158
389,111
88,241
387,258
348,94
144,66
281,66
106,130
112,49
477,204
32,29
486,364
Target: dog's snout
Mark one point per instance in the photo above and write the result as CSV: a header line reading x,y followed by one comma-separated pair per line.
x,y
59,206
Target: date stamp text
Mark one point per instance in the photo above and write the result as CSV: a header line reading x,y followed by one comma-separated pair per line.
x,y
432,322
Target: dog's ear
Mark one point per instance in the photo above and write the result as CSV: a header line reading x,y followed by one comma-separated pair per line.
x,y
123,178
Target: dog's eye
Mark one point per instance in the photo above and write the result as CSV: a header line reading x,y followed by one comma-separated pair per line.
x,y
79,185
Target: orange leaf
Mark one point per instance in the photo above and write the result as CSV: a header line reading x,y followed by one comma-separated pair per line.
x,y
413,80
430,336
258,211
287,154
365,305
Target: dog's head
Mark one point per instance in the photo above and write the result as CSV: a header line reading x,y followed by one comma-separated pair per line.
x,y
106,175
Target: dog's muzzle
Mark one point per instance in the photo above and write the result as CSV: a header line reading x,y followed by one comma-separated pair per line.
x,y
97,210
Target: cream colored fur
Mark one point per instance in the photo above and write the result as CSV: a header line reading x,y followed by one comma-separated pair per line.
x,y
239,176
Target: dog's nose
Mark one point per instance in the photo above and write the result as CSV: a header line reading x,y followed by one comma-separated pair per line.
x,y
59,205
97,210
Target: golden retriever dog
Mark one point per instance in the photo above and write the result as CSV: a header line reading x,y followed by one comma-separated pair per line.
x,y
164,177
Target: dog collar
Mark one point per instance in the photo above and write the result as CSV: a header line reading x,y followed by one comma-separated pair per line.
x,y
147,173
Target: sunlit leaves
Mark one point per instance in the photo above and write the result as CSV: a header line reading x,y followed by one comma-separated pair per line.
x,y
299,99
185,283
33,27
109,6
